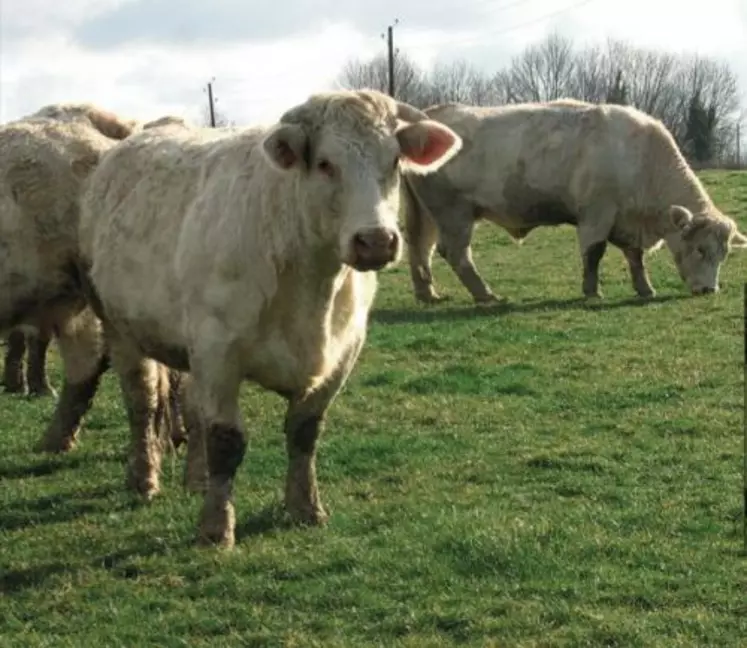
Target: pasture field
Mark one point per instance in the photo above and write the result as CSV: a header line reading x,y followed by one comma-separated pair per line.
x,y
543,473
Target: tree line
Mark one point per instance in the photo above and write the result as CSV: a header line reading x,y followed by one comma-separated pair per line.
x,y
696,97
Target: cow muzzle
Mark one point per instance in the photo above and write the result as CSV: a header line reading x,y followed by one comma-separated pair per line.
x,y
372,249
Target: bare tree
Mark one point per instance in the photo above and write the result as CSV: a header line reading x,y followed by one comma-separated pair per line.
x,y
456,82
410,83
662,84
542,72
589,80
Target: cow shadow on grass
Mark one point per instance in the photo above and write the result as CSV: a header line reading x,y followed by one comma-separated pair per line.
x,y
63,507
272,517
45,465
424,314
118,563
123,563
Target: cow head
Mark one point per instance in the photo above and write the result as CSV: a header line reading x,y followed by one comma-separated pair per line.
x,y
107,123
700,244
346,149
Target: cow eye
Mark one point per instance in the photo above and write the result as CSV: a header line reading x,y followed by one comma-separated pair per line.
x,y
325,166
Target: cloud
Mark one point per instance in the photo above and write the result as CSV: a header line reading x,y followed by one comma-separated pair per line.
x,y
147,81
198,21
20,19
147,58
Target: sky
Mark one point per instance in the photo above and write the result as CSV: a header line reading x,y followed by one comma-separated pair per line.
x,y
147,58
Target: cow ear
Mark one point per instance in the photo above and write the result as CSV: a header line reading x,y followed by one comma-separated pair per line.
x,y
110,125
427,145
680,216
284,146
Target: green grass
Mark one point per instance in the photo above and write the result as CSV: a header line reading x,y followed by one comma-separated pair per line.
x,y
541,474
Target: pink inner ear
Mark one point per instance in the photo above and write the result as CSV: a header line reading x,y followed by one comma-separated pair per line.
x,y
438,142
284,155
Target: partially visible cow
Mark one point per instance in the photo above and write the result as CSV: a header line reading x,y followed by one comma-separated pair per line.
x,y
612,171
250,254
31,376
44,159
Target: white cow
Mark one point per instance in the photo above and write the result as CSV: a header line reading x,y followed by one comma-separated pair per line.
x,y
44,159
612,171
250,254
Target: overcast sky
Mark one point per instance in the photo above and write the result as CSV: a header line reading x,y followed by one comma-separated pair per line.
x,y
146,58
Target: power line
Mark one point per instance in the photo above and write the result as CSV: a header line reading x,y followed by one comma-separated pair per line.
x,y
475,4
485,34
392,51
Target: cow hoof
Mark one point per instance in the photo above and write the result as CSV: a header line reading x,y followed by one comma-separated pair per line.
x,y
431,298
55,444
15,389
593,297
217,526
146,487
305,516
221,540
649,294
490,300
43,392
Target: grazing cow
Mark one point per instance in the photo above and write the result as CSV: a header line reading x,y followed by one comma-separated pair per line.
x,y
16,376
44,159
612,171
250,254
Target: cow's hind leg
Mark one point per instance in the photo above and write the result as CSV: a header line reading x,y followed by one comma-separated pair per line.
x,y
196,467
38,382
592,256
140,379
13,373
455,249
303,425
179,430
84,361
595,226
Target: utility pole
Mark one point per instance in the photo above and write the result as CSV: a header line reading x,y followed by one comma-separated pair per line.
x,y
390,47
739,152
211,103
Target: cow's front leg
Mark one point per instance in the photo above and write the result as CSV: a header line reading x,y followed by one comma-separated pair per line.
x,y
592,255
302,430
303,424
217,378
421,235
38,381
13,374
641,282
139,380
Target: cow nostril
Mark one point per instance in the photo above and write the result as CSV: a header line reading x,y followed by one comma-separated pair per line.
x,y
361,241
